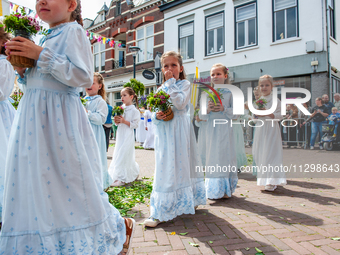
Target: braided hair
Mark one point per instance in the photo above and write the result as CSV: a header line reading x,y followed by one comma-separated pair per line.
x,y
76,14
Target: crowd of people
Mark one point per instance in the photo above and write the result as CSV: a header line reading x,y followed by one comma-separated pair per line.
x,y
52,184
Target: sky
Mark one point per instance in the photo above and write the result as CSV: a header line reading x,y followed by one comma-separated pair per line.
x,y
89,7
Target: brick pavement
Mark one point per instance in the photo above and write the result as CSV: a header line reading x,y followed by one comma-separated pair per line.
x,y
299,218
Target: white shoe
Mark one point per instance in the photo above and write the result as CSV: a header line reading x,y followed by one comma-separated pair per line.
x,y
312,147
151,222
321,147
270,187
117,184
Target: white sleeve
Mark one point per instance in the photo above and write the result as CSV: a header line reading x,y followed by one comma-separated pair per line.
x,y
99,116
73,68
7,77
135,119
180,96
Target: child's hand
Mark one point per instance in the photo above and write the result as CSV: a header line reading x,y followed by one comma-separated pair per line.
x,y
168,75
20,46
146,128
160,116
218,108
117,119
211,106
20,70
122,120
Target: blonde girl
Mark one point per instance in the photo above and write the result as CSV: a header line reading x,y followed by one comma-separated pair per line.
x,y
97,111
267,148
54,202
174,191
220,140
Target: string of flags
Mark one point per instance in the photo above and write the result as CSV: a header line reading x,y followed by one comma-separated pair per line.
x,y
104,40
14,7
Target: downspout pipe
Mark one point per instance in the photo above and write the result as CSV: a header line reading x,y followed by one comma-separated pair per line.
x,y
329,50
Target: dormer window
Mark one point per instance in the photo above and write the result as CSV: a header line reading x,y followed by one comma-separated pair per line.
x,y
118,8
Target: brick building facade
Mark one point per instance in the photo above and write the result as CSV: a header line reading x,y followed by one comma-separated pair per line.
x,y
138,23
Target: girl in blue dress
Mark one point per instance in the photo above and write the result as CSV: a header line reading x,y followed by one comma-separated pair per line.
x,y
175,190
54,202
7,111
97,111
220,141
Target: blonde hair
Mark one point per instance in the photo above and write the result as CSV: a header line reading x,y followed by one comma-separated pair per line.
x,y
182,75
225,70
131,92
267,77
100,80
334,108
4,36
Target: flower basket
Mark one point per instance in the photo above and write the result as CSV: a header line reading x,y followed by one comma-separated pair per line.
x,y
21,24
161,102
169,114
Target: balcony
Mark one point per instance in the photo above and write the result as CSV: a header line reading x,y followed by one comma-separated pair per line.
x,y
116,64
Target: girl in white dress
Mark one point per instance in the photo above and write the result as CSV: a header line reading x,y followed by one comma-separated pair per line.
x,y
53,201
220,141
7,111
267,148
149,127
124,168
97,111
175,190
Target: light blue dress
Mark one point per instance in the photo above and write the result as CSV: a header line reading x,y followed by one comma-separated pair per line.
x,y
221,151
175,190
7,113
97,114
53,201
239,142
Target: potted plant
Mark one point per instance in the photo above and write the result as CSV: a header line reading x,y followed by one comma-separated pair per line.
x,y
161,102
20,24
137,86
117,111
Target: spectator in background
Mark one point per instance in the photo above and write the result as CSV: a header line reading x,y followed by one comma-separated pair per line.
x,y
337,101
108,125
327,103
319,115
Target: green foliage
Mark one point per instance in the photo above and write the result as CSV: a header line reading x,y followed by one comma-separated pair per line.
x,y
213,97
137,86
21,21
159,101
124,198
117,110
83,101
16,97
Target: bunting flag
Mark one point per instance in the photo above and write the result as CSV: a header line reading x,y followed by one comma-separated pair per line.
x,y
104,40
0,7
15,8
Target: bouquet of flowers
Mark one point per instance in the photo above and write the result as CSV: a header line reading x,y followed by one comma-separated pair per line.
x,y
117,111
213,97
15,99
161,102
83,101
261,104
196,112
142,101
20,24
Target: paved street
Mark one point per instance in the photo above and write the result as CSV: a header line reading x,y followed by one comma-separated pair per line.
x,y
300,218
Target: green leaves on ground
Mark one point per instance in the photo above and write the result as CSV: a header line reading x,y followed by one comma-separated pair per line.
x,y
124,198
194,244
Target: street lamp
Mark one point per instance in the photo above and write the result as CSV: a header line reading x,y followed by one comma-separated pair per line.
x,y
134,50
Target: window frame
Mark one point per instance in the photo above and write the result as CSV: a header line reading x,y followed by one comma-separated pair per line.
x,y
118,7
100,69
145,37
206,33
236,28
179,36
332,29
274,19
